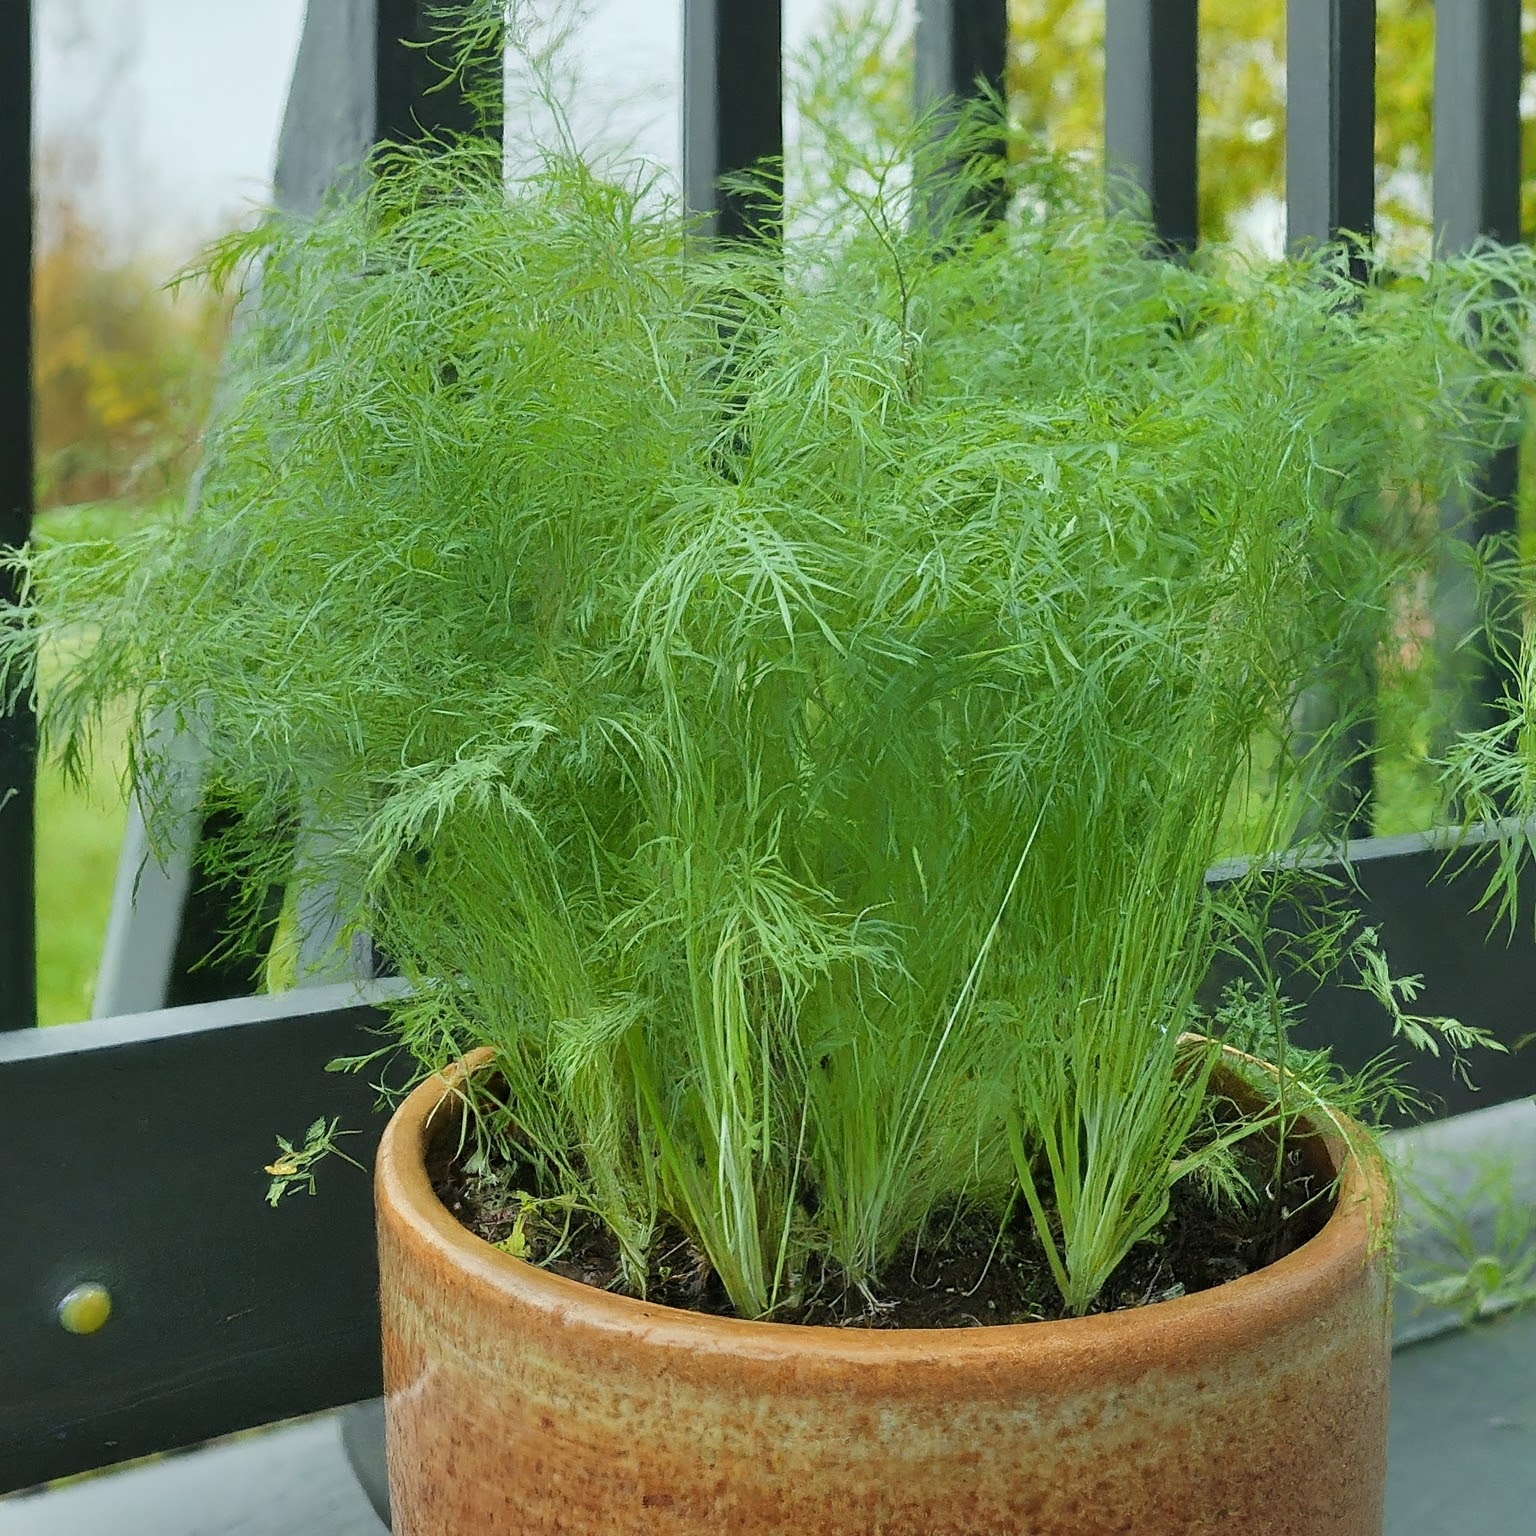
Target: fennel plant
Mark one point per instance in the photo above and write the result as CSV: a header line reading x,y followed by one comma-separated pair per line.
x,y
785,701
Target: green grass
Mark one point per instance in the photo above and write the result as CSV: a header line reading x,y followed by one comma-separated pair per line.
x,y
79,827
78,833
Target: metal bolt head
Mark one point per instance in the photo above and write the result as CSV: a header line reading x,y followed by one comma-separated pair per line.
x,y
86,1308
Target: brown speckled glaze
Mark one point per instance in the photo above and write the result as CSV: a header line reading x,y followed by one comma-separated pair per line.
x,y
521,1402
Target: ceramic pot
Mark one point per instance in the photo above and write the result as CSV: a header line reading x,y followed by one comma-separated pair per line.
x,y
518,1401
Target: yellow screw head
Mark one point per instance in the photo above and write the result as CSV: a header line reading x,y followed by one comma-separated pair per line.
x,y
86,1308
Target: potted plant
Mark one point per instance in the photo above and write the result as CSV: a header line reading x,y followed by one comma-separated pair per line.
x,y
777,708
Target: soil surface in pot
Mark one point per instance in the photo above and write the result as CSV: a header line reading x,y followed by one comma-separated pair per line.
x,y
967,1271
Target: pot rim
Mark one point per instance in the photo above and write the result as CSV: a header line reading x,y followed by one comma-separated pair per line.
x,y
1263,1303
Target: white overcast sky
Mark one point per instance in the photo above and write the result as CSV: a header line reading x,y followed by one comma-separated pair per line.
x,y
178,102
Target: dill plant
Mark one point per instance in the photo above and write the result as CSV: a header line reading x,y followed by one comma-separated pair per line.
x,y
785,701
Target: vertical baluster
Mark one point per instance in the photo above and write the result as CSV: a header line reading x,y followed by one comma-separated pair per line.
x,y
733,108
1477,195
1330,168
18,973
959,42
1330,121
1477,122
961,49
407,104
1151,113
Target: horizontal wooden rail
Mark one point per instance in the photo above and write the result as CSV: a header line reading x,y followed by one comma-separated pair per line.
x,y
1420,891
134,1150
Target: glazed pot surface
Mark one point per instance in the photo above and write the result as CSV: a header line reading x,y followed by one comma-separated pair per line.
x,y
519,1401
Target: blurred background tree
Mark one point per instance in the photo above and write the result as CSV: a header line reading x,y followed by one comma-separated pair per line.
x,y
123,370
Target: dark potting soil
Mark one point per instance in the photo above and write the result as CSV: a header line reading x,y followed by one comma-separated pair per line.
x,y
964,1272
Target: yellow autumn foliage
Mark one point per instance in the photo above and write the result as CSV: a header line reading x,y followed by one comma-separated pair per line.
x,y
122,370
1056,81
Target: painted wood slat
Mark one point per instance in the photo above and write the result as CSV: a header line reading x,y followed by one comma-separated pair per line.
x,y
18,967
1151,114
733,113
1477,153
134,1152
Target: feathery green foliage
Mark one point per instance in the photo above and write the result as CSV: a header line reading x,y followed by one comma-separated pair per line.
x,y
785,701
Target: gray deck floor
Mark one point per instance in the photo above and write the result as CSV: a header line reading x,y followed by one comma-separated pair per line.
x,y
1463,1462
1462,1453
290,1481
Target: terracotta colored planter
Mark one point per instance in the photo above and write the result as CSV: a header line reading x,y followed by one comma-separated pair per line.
x,y
518,1401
